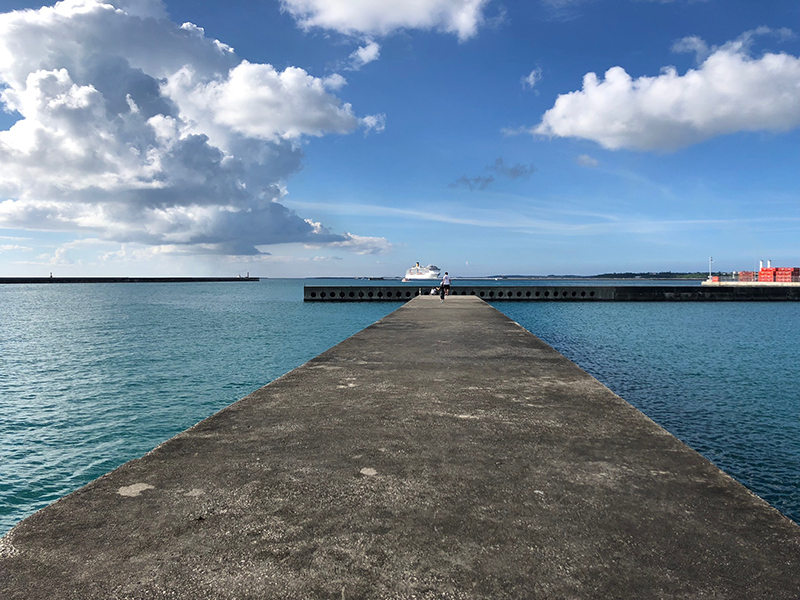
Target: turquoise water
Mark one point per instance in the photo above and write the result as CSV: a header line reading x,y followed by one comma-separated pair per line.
x,y
94,375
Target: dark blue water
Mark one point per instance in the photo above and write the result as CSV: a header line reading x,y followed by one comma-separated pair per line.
x,y
94,375
722,377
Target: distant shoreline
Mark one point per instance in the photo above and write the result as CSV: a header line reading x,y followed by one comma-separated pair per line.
x,y
13,280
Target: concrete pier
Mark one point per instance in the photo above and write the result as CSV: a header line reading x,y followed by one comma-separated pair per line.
x,y
443,452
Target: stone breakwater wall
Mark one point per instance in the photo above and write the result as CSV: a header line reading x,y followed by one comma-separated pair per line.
x,y
47,280
564,293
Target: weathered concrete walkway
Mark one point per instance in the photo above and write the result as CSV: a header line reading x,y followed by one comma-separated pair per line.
x,y
444,452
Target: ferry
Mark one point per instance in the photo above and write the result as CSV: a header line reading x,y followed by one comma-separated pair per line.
x,y
416,272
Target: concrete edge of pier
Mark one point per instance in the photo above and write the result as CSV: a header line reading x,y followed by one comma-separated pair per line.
x,y
443,452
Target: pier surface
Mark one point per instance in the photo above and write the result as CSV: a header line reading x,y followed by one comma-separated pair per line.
x,y
443,452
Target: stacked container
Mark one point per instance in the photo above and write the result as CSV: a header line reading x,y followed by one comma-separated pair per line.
x,y
778,274
747,275
767,274
787,274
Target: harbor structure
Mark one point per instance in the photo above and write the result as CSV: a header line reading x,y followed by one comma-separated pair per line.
x,y
710,291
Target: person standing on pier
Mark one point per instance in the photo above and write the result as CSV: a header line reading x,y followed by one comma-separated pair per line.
x,y
446,284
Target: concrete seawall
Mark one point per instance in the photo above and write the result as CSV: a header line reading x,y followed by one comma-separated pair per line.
x,y
563,293
443,452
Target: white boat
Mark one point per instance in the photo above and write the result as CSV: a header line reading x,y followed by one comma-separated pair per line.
x,y
417,272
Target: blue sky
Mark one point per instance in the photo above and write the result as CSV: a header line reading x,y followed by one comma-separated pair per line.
x,y
343,137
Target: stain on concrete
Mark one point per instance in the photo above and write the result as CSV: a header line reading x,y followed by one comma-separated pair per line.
x,y
131,491
7,549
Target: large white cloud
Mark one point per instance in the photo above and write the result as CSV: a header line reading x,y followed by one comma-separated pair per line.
x,y
368,17
730,91
257,101
136,129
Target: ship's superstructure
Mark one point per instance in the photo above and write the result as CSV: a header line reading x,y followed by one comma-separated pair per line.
x,y
418,272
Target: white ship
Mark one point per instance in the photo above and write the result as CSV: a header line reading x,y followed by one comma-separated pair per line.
x,y
417,272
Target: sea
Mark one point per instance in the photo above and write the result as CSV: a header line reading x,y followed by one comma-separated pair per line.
x,y
94,375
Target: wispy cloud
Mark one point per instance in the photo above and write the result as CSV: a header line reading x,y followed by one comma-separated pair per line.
x,y
564,10
516,171
366,54
500,169
530,80
473,183
570,224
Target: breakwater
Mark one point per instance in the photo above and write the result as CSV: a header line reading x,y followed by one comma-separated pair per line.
x,y
560,293
442,452
18,280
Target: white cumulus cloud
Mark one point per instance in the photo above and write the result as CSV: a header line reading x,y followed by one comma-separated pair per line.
x,y
730,91
257,101
369,17
135,129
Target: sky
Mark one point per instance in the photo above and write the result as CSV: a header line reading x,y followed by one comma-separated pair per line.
x,y
299,138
